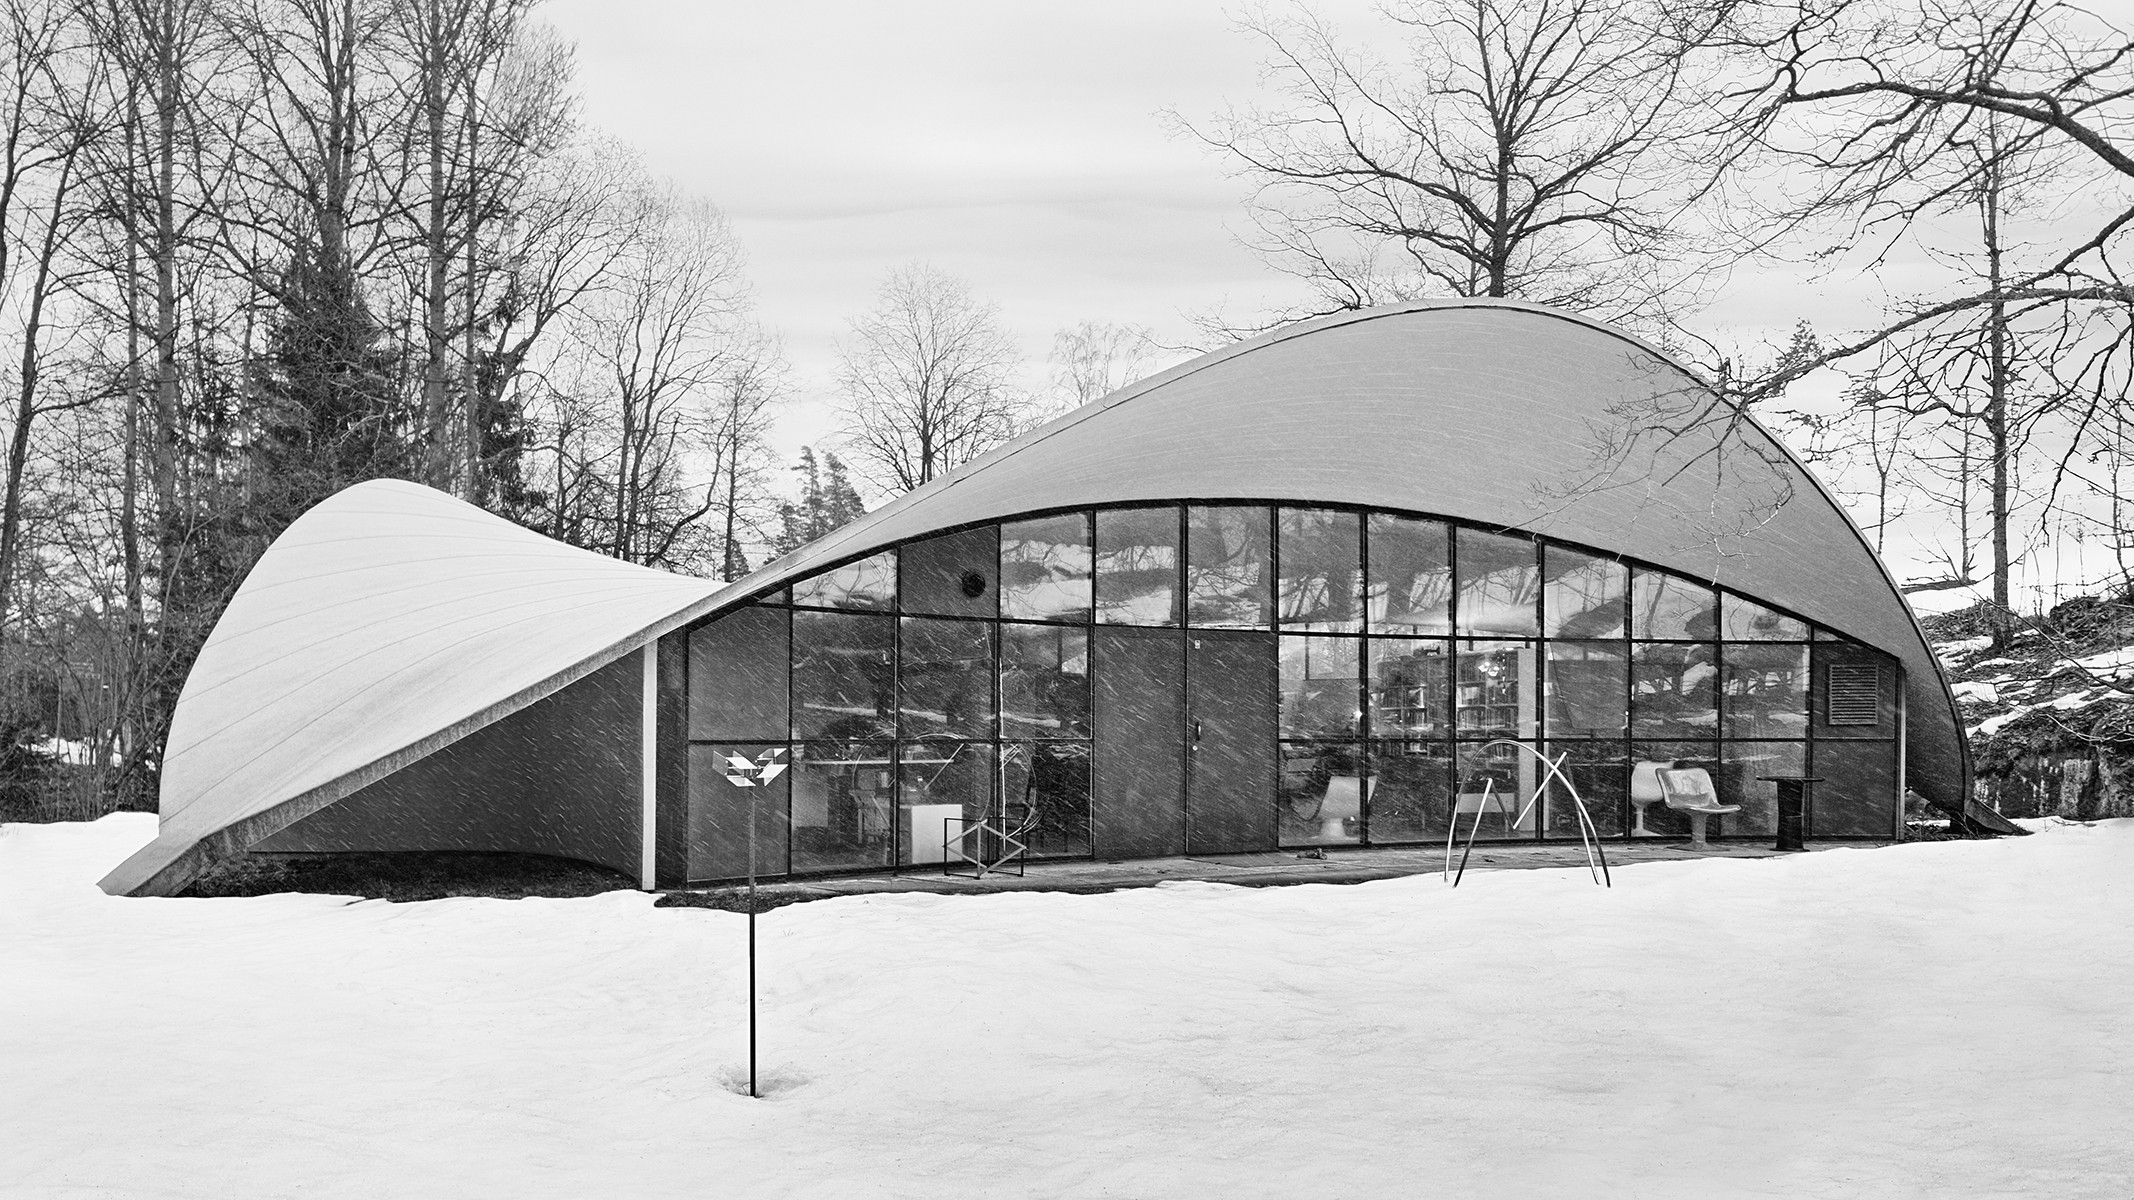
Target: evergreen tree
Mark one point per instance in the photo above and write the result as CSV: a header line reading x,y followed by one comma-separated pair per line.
x,y
328,416
827,502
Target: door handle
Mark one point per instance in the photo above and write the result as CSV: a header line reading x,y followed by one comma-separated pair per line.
x,y
1196,730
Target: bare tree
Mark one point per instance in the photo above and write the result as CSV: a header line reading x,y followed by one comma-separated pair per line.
x,y
1536,149
927,380
662,337
1093,359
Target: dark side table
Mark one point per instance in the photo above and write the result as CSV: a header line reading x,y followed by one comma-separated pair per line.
x,y
1792,808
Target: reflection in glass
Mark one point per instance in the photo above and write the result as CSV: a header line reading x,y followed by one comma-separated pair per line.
x,y
737,675
1409,576
1044,681
844,680
1323,793
939,779
841,805
1045,785
1601,773
1493,689
954,575
1410,687
1668,606
1744,621
870,583
1496,782
1858,795
1137,566
1589,689
1583,596
1673,690
945,678
1499,584
1318,688
1045,569
1227,585
1322,569
1645,799
1766,690
718,814
1738,783
1412,799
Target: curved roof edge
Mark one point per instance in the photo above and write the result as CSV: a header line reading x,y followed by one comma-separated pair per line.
x,y
271,650
851,540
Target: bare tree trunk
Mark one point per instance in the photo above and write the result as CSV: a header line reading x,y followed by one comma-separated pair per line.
x,y
1997,370
26,407
437,256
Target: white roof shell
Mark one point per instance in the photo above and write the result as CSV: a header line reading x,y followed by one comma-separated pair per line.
x,y
392,620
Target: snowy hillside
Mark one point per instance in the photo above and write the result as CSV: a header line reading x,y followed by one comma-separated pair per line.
x,y
1922,1020
2051,715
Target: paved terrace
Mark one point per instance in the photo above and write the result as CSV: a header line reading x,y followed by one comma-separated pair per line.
x,y
1269,869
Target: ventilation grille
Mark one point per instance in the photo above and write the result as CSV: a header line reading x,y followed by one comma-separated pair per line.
x,y
1855,694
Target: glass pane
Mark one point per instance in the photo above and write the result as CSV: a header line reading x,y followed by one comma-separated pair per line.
x,y
1589,689
1046,786
1412,799
1409,578
1745,621
1319,682
1738,783
942,786
1583,596
841,806
1410,687
1668,606
955,575
1652,816
1323,793
1044,681
1493,689
844,678
1766,690
945,678
1322,569
718,821
1601,773
870,583
1496,782
1858,795
1045,569
1499,584
1673,690
1226,568
737,676
1137,566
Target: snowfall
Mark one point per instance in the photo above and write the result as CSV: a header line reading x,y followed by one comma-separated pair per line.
x,y
1950,1019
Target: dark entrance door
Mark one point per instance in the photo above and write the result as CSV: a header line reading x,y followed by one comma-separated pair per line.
x,y
1138,720
1230,735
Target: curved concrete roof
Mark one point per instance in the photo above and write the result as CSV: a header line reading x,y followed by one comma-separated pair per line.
x,y
1506,414
384,624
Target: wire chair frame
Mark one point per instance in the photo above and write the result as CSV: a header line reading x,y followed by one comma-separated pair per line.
x,y
1588,833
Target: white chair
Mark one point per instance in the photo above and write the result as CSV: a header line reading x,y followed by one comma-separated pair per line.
x,y
1645,791
1689,789
1343,803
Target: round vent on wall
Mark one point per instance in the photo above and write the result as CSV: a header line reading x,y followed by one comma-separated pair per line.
x,y
973,584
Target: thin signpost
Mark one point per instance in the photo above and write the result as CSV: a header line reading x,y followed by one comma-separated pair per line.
x,y
742,773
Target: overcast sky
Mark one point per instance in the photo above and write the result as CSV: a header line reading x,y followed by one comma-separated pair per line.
x,y
1017,146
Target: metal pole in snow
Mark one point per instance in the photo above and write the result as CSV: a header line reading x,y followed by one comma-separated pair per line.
x,y
745,774
751,945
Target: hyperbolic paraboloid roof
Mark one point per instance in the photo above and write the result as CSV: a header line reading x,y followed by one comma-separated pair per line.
x,y
392,620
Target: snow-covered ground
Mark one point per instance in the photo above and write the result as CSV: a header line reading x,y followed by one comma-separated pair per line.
x,y
1932,1020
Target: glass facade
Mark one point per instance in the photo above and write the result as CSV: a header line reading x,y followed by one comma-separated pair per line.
x,y
1052,673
